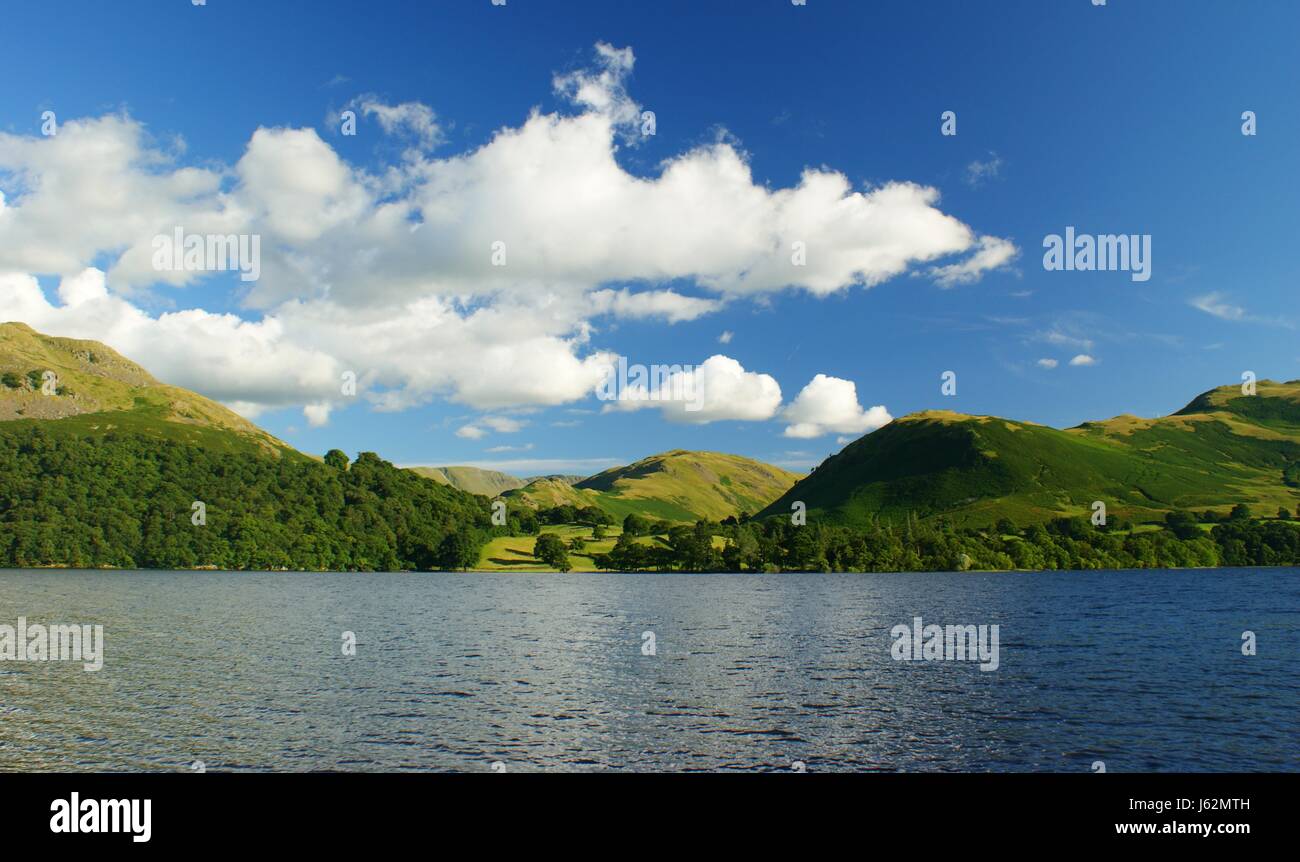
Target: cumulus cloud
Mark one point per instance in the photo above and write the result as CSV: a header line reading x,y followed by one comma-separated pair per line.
x,y
830,404
490,358
317,415
347,284
1083,359
717,389
1048,363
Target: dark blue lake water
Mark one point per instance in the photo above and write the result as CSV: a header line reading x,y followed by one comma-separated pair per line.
x,y
1141,670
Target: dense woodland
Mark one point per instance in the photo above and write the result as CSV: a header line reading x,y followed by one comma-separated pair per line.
x,y
126,500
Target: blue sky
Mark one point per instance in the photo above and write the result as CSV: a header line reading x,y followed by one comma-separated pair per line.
x,y
1117,119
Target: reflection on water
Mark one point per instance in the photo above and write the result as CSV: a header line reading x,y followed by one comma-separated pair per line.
x,y
1142,670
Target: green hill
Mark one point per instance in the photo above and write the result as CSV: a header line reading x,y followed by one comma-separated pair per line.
x,y
679,486
95,391
548,493
1222,449
472,480
108,469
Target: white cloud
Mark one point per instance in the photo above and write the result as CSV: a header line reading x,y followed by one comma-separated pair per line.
x,y
412,118
603,90
717,389
489,358
485,425
1083,359
1219,306
346,285
1048,363
1215,304
250,366
1064,339
725,337
503,424
978,172
830,404
992,253
527,447
293,186
317,415
667,304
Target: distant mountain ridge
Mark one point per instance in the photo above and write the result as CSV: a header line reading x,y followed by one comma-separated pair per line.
x,y
1223,448
488,483
472,480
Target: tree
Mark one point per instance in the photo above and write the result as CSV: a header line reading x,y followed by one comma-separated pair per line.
x,y
1182,524
1283,514
458,550
693,548
628,555
337,459
1240,512
124,499
523,523
550,549
635,525
592,516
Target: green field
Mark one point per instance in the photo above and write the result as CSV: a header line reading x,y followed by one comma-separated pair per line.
x,y
515,553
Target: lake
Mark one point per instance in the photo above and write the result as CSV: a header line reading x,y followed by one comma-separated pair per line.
x,y
1141,670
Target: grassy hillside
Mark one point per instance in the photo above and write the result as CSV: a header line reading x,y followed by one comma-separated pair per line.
x,y
678,486
96,391
472,480
1224,448
566,478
